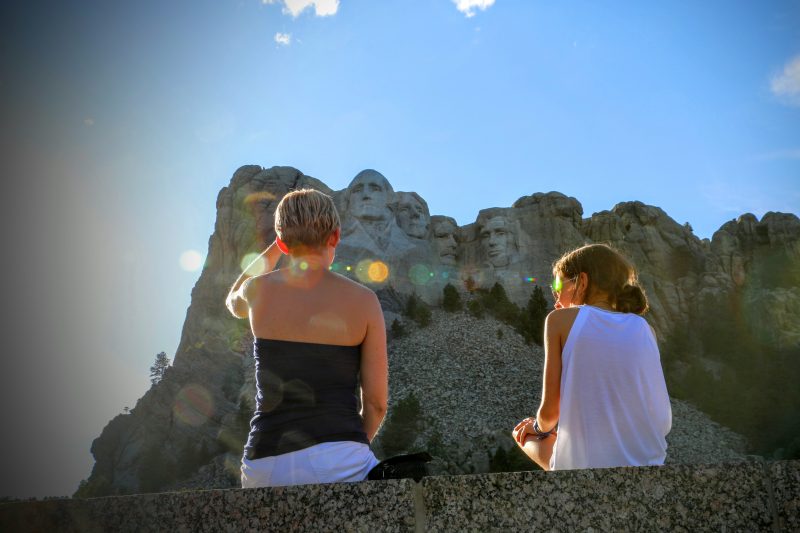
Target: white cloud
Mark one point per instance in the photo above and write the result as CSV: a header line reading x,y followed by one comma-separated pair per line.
x,y
468,7
283,39
322,8
786,85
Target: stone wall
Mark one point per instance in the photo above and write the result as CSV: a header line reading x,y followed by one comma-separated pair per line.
x,y
755,496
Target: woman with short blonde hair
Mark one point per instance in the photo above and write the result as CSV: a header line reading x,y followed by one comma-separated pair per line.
x,y
318,338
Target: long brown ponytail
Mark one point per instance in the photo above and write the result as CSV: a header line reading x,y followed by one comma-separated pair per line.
x,y
609,272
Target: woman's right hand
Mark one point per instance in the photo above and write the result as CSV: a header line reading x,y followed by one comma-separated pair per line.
x,y
522,430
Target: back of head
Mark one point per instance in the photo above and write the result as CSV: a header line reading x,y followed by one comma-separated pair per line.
x,y
609,272
306,217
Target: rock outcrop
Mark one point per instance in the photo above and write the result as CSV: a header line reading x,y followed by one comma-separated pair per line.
x,y
194,418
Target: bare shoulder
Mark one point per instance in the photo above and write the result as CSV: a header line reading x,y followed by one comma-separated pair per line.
x,y
356,289
562,316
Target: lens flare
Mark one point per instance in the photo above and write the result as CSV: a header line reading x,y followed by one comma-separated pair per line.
x,y
232,466
253,268
303,265
362,270
259,196
349,268
193,405
191,261
420,274
378,272
530,279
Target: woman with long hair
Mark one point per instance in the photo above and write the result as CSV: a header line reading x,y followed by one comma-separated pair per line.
x,y
319,337
604,398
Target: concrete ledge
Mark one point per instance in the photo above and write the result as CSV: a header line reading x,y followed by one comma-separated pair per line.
x,y
619,499
785,476
740,497
366,506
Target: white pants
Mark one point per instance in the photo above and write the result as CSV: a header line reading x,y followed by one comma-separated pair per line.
x,y
327,462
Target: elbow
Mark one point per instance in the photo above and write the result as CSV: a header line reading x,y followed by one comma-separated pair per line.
x,y
237,311
547,417
377,407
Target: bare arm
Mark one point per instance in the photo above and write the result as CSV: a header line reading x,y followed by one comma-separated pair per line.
x,y
549,409
236,302
374,371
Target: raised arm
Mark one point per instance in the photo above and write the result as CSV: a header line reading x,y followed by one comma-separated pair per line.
x,y
236,301
374,370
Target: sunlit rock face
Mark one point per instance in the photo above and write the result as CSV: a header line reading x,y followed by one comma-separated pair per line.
x,y
391,243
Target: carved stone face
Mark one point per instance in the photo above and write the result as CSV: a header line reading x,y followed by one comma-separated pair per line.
x,y
370,194
412,217
444,237
498,241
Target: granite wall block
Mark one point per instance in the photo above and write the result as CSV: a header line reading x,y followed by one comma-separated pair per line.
x,y
676,498
786,486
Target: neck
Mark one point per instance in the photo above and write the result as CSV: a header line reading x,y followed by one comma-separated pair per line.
x,y
600,300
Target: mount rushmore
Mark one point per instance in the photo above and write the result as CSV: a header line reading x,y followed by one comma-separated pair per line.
x,y
193,418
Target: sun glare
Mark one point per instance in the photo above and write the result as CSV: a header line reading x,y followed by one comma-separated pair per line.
x,y
255,269
191,260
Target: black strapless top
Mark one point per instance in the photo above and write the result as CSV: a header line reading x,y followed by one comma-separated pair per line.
x,y
306,394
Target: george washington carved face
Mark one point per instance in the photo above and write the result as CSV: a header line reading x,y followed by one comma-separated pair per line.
x,y
369,196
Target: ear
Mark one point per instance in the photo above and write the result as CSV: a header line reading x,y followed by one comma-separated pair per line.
x,y
583,286
282,246
335,237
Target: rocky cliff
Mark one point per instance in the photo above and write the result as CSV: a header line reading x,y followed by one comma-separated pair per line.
x,y
191,425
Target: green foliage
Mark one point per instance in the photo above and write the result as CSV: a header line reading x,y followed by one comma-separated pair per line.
x,y
192,457
755,392
232,383
528,322
475,308
435,445
96,485
159,368
402,427
418,311
513,460
451,301
531,322
498,304
397,329
156,470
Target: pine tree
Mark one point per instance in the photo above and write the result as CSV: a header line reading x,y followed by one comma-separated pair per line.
x,y
418,311
451,301
532,327
159,368
397,329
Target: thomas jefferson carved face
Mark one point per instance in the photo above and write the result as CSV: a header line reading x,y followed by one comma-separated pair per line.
x,y
498,240
412,215
444,237
369,196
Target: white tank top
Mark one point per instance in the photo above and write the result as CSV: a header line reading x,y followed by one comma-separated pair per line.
x,y
615,410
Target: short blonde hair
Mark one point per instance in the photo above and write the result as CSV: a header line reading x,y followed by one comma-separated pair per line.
x,y
306,217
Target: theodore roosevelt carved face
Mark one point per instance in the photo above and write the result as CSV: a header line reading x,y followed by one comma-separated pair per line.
x,y
444,231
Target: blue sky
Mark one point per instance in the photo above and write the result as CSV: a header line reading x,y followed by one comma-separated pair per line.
x,y
122,121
